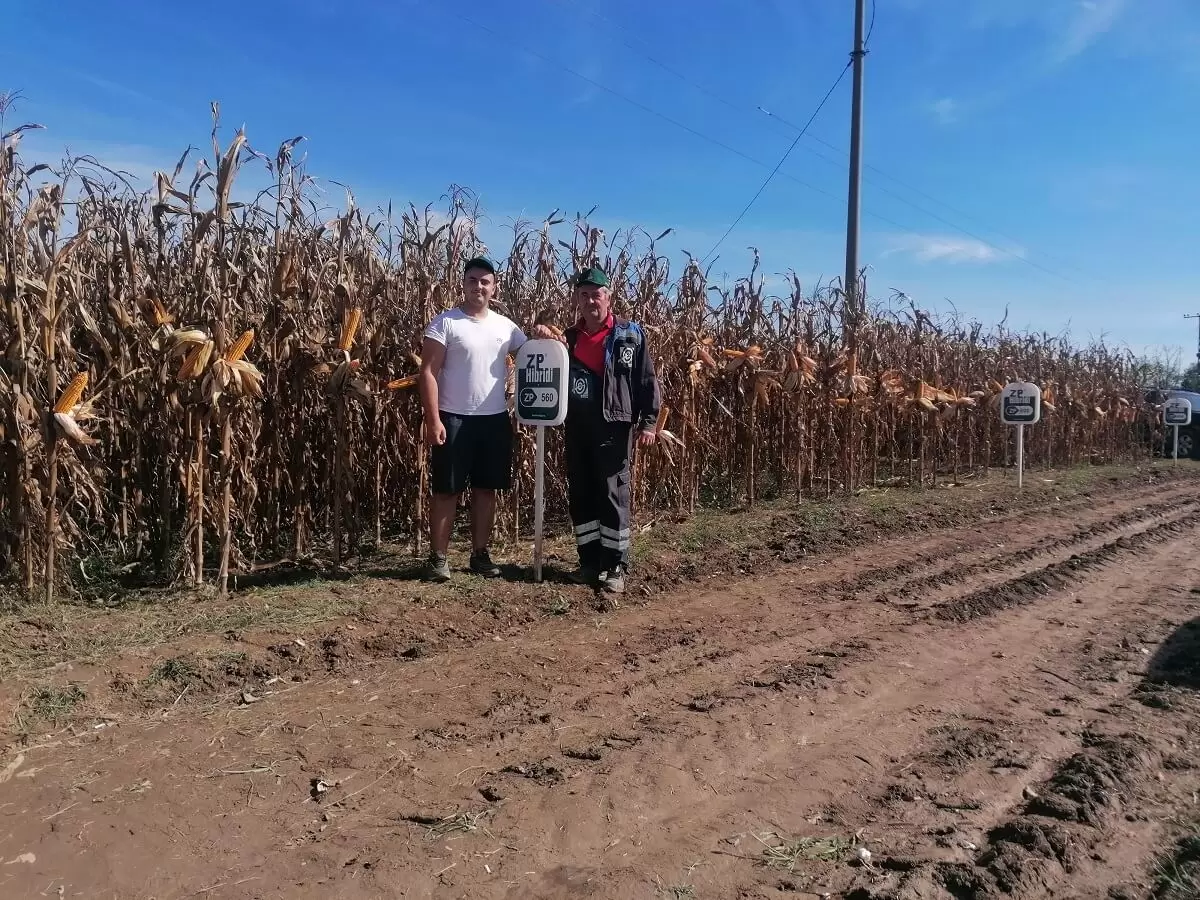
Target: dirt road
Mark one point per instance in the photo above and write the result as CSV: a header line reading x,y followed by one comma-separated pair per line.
x,y
1005,710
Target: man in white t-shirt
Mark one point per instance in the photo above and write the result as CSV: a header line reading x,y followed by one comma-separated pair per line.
x,y
464,371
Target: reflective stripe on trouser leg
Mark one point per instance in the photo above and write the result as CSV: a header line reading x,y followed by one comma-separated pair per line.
x,y
588,532
614,539
580,447
614,500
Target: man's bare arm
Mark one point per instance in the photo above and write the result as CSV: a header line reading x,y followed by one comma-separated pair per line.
x,y
433,356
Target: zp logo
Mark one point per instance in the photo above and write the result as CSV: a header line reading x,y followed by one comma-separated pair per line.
x,y
627,355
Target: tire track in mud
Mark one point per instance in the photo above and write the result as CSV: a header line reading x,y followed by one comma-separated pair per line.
x,y
923,560
1059,575
954,574
1015,851
741,661
1010,839
678,658
664,758
776,666
1030,852
1090,825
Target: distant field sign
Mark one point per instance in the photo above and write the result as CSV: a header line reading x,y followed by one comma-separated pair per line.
x,y
1020,403
1177,411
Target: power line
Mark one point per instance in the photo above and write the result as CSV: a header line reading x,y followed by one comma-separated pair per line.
x,y
654,112
719,143
762,187
742,108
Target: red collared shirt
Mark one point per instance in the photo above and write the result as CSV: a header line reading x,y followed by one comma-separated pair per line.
x,y
589,348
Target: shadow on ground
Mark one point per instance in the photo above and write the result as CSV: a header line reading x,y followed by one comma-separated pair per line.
x,y
1177,662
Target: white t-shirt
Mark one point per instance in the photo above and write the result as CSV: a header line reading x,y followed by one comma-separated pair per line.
x,y
473,376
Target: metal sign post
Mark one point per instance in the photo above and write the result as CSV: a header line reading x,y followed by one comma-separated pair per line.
x,y
1020,405
1177,412
541,401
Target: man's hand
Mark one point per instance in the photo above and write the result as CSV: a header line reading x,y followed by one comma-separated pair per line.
x,y
435,436
548,333
647,438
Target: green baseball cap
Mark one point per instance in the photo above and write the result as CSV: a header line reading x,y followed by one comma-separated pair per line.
x,y
592,275
479,262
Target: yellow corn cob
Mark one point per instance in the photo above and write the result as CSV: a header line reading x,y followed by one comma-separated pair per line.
x,y
195,362
69,397
161,316
240,346
400,384
663,412
350,329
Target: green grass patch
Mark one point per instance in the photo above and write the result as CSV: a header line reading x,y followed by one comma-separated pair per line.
x,y
787,854
178,670
49,704
1177,877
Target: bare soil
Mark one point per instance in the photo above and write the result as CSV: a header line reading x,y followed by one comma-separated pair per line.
x,y
957,695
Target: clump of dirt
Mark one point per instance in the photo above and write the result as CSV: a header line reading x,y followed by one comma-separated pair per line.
x,y
962,745
588,754
444,736
704,703
800,674
1020,850
930,881
510,707
336,652
540,772
1089,784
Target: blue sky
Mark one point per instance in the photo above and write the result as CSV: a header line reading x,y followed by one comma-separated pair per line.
x,y
1030,154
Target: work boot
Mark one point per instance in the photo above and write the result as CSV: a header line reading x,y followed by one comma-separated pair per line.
x,y
583,575
481,564
438,567
612,582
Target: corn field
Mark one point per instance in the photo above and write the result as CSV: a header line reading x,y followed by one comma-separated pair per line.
x,y
195,386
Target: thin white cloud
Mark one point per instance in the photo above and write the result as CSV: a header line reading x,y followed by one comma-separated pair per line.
x,y
945,110
946,248
1089,22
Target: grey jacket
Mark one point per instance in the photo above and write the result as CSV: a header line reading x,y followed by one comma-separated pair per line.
x,y
630,388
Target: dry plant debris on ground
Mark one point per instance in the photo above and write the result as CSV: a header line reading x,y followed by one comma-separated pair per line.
x,y
1039,741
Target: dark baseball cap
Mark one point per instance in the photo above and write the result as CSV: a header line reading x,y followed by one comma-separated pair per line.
x,y
479,262
592,275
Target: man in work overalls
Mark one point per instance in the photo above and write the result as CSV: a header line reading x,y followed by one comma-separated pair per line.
x,y
612,393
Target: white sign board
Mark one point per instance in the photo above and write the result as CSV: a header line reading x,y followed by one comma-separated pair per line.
x,y
1020,403
1177,411
541,395
541,370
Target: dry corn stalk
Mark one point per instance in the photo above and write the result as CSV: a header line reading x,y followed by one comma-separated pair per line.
x,y
762,410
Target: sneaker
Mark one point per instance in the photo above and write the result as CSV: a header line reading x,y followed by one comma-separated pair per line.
x,y
583,575
612,582
481,564
438,568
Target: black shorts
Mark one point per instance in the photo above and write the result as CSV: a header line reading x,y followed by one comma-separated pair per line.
x,y
477,453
